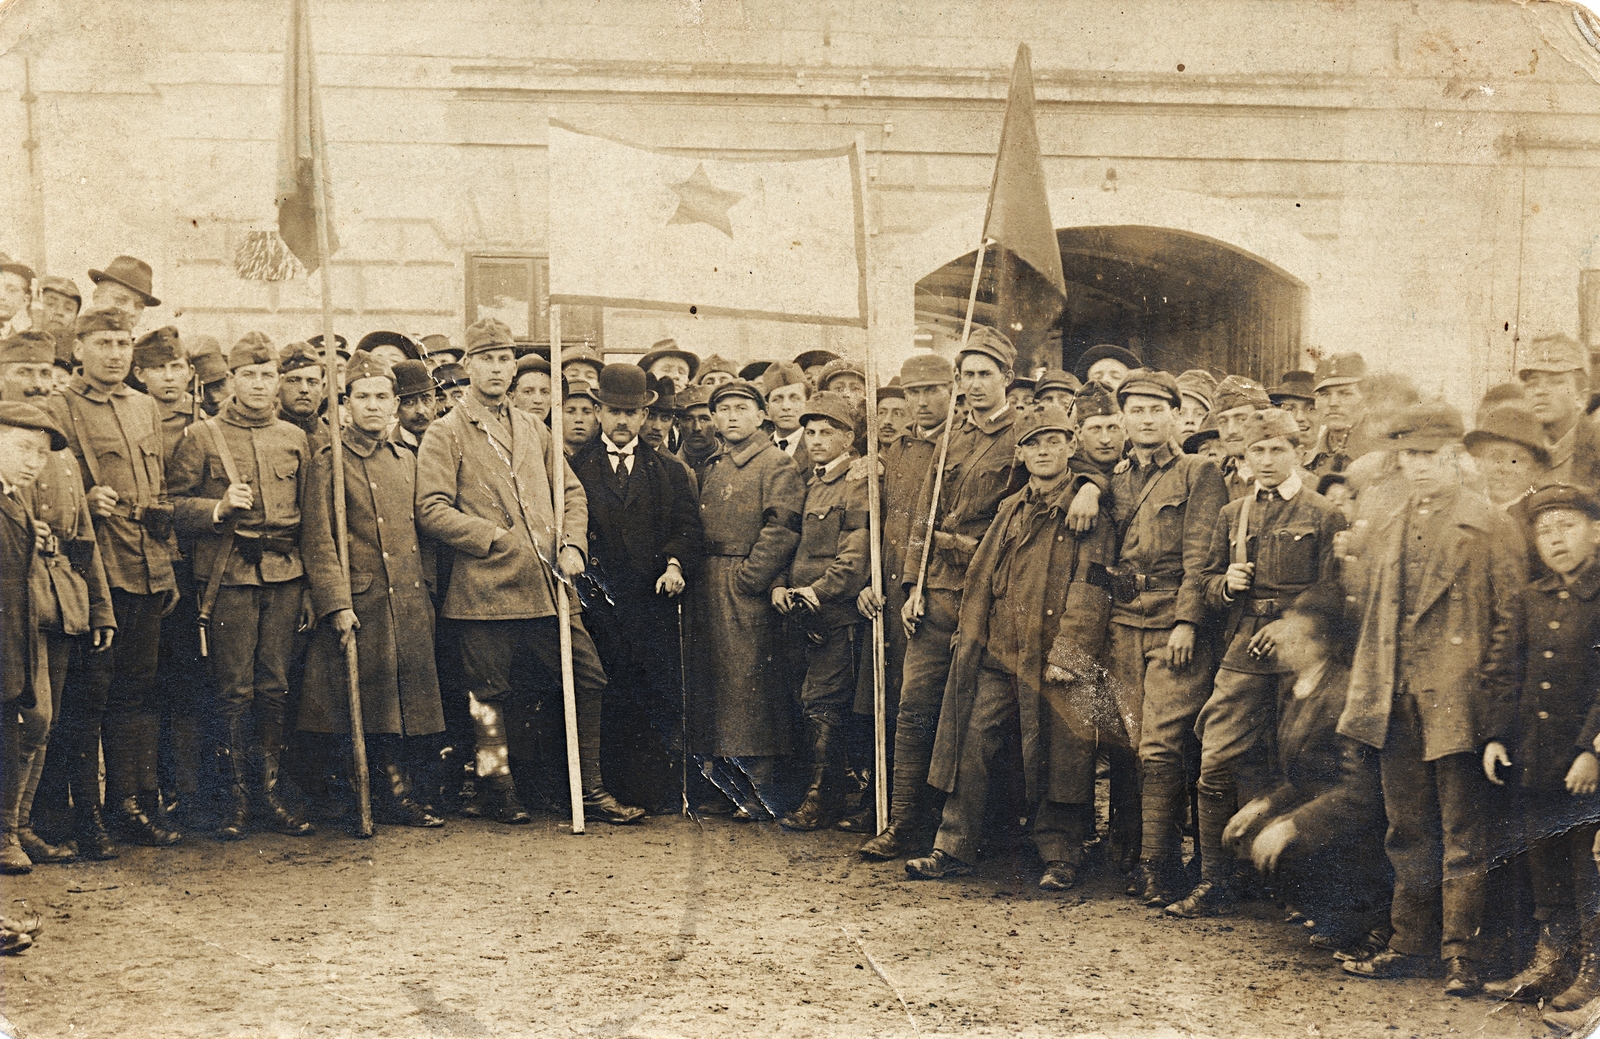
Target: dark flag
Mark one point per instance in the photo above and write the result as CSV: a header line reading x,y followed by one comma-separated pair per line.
x,y
1030,289
299,140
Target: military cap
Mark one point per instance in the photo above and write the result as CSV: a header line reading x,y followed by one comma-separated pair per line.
x,y
404,343
1562,496
892,388
738,388
840,366
1207,431
451,374
1559,353
1093,400
1044,418
1237,391
693,396
1295,384
252,348
1512,423
365,366
28,348
10,266
1146,382
65,286
755,370
990,343
412,378
781,373
716,363
1269,424
102,319
1502,393
437,345
532,362
1101,352
1340,370
580,389
624,386
341,345
295,356
209,365
1425,427
154,349
1020,383
582,353
814,358
488,333
670,348
129,272
1056,379
926,370
26,416
1199,384
834,407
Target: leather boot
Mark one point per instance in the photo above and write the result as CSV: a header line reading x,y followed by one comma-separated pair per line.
x,y
235,824
278,815
911,827
1585,985
144,756
498,798
187,739
1548,973
394,804
93,841
1213,896
597,802
138,820
820,806
13,860
41,851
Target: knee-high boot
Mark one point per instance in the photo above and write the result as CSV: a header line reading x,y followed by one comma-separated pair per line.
x,y
271,743
597,801
131,750
820,806
391,783
911,804
234,750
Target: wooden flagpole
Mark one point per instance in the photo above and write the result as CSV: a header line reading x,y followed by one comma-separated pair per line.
x,y
330,359
558,494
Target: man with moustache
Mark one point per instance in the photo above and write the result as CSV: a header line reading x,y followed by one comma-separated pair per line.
x,y
698,430
1238,400
416,398
1341,408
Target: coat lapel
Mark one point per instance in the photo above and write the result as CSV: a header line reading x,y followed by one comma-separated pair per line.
x,y
1445,560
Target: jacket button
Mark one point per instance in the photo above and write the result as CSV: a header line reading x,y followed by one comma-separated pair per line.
x,y
1554,625
1549,653
1544,716
1563,595
386,555
380,519
1049,613
1544,685
1455,640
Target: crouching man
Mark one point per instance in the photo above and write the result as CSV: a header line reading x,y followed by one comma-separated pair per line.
x,y
1036,590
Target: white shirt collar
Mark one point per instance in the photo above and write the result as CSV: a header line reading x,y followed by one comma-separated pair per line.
x,y
836,463
1287,489
626,449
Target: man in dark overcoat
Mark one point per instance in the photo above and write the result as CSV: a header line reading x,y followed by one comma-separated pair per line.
x,y
645,540
1435,663
383,604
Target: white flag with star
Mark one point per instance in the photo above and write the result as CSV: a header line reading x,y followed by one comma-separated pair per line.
x,y
781,239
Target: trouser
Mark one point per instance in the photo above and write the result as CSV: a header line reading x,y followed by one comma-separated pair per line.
x,y
132,698
1347,879
72,759
923,675
1058,828
27,728
182,672
642,716
1165,703
1236,728
59,650
1561,832
492,652
1437,833
830,683
251,640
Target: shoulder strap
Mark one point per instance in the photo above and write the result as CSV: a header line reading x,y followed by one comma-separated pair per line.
x,y
1241,534
220,444
77,441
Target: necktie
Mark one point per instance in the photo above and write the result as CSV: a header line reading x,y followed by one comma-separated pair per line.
x,y
822,471
621,461
1267,494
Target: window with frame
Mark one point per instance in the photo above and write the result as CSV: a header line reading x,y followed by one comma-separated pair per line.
x,y
515,288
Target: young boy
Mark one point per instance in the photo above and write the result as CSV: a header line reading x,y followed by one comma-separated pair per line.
x,y
1556,724
828,572
1272,548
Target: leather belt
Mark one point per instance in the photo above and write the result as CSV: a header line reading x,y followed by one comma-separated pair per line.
x,y
727,548
250,549
1127,586
1263,607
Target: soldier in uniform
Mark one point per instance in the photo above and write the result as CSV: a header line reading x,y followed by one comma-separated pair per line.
x,y
1435,664
1167,506
751,496
382,604
1037,595
1238,400
484,489
980,470
68,590
212,380
1555,373
697,428
58,306
160,364
237,483
302,392
116,437
1342,413
715,371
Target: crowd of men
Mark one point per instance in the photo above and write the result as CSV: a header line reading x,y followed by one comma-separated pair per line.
x,y
1346,644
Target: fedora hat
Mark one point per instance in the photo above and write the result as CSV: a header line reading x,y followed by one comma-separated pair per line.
x,y
624,386
670,348
405,344
129,272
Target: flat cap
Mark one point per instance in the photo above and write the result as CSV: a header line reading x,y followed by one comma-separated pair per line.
x,y
1092,401
834,407
780,373
1101,352
837,367
1562,496
1057,379
755,369
412,378
582,353
1425,427
738,388
985,340
1145,382
1295,384
814,358
488,333
102,319
252,348
1237,391
295,356
154,349
1340,370
365,366
65,286
1199,384
1270,424
670,348
1207,431
1514,424
927,370
717,363
532,362
693,396
26,416
1560,353
28,348
451,374
1044,418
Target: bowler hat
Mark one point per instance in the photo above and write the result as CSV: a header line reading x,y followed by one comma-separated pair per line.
x,y
738,388
130,272
1044,418
1514,424
1340,370
154,349
926,370
716,363
1207,431
1271,424
341,345
102,319
623,386
488,333
670,348
28,348
365,366
1295,384
1558,353
1101,352
814,358
1057,379
1562,496
26,416
1238,391
252,348
411,379
1094,400
985,340
781,373
65,286
666,394
1146,382
1425,427
295,356
406,344
834,407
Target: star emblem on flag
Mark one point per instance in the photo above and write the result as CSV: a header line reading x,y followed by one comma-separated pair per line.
x,y
702,202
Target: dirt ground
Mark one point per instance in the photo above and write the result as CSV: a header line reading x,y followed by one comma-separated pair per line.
x,y
671,928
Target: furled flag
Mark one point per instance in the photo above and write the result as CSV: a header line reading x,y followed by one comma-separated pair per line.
x,y
781,239
1030,293
300,138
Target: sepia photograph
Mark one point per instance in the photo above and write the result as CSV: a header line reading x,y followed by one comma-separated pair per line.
x,y
654,519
